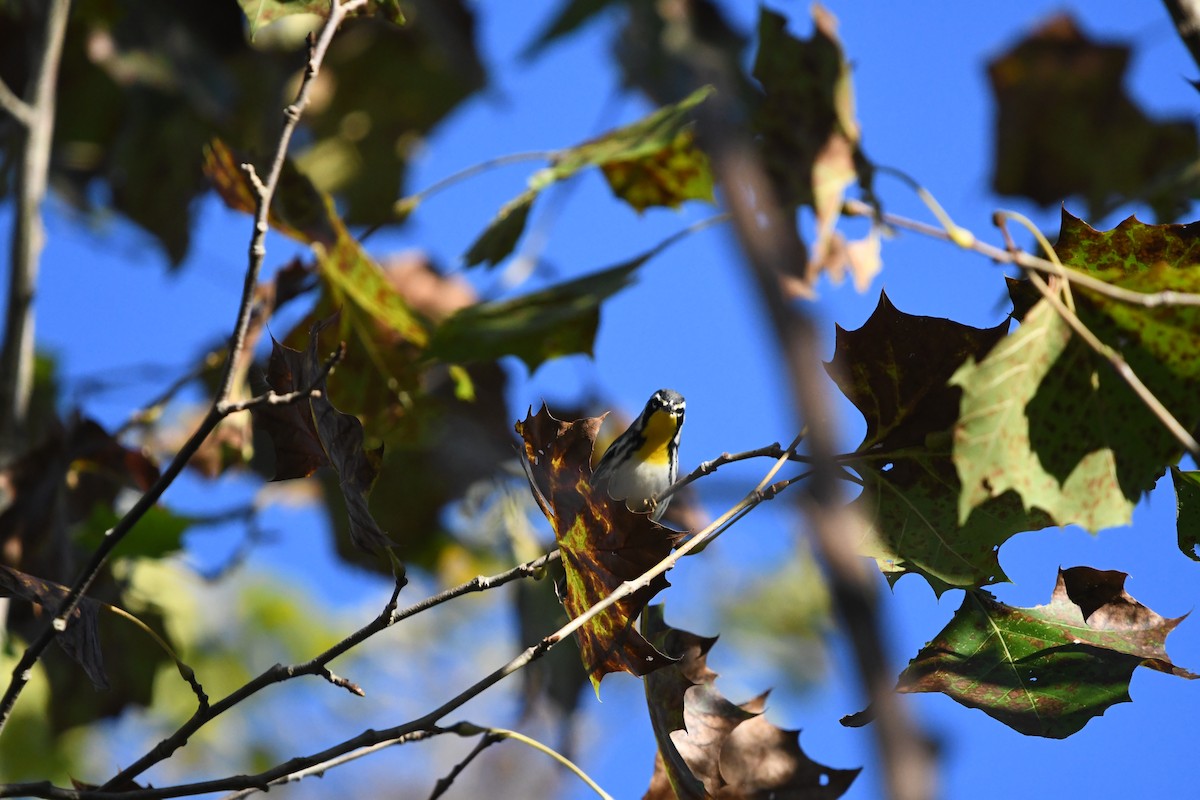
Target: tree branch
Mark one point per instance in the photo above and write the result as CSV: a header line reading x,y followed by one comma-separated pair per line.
x,y
22,672
773,250
318,666
765,490
28,236
1027,261
443,785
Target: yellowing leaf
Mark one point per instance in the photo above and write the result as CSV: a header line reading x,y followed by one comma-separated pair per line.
x,y
603,545
653,161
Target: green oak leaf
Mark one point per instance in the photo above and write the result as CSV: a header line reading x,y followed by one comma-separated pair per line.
x,y
1046,670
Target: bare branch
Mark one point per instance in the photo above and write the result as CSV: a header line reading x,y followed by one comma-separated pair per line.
x,y
317,666
36,116
443,785
23,669
765,490
774,450
319,770
21,111
1028,261
273,399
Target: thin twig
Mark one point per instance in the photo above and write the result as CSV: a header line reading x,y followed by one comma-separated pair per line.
x,y
469,729
23,670
36,116
319,770
272,398
21,111
389,616
406,205
762,492
1029,261
154,407
774,450
443,785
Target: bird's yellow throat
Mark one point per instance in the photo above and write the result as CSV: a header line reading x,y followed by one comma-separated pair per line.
x,y
660,430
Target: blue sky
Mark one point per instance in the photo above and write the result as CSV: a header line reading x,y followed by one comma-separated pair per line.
x,y
925,107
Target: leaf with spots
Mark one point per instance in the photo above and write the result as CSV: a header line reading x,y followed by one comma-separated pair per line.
x,y
311,433
653,161
895,369
1046,670
603,545
1187,518
709,746
356,279
1045,417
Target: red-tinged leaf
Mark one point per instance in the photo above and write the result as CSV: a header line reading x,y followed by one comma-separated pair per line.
x,y
603,544
311,433
710,747
1047,670
81,638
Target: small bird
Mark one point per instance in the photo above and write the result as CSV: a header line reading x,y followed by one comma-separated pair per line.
x,y
644,460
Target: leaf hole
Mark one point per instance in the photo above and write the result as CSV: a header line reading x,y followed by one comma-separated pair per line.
x,y
887,467
823,779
